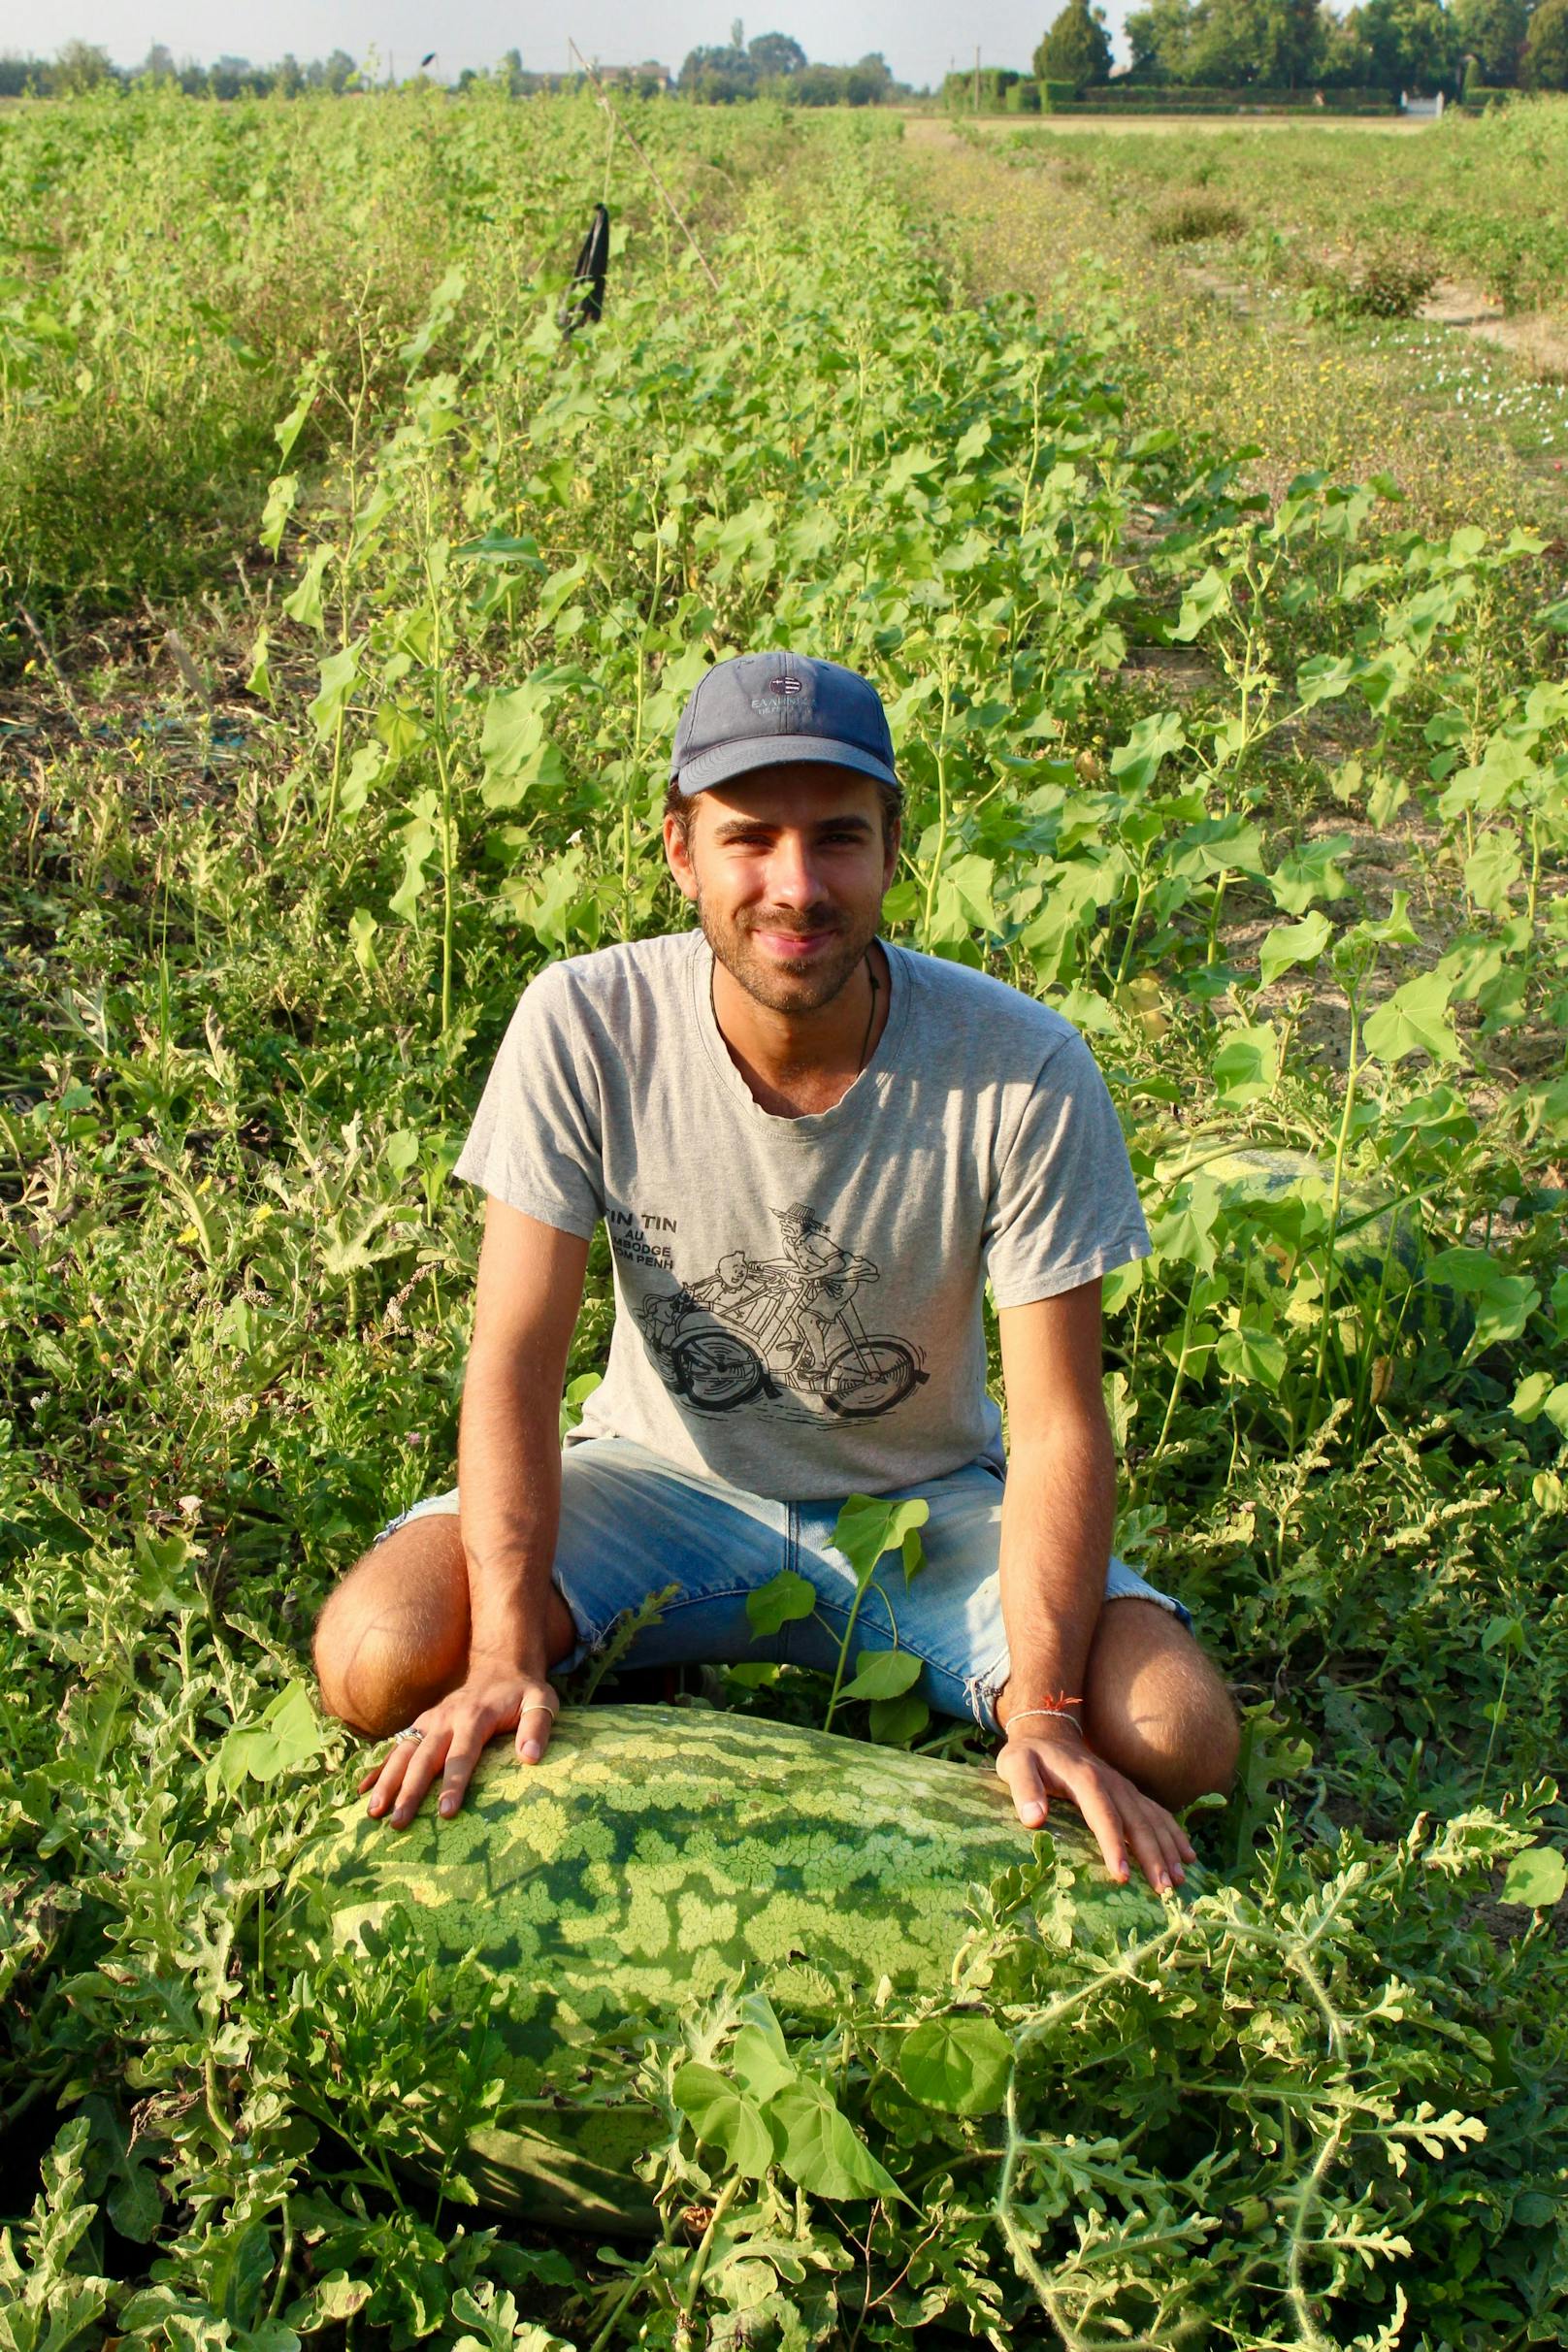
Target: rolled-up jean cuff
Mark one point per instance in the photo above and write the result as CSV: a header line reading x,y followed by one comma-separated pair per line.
x,y
445,1506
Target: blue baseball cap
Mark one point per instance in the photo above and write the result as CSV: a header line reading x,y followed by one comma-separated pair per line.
x,y
765,709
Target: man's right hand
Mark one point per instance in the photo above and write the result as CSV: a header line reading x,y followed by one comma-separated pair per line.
x,y
496,1697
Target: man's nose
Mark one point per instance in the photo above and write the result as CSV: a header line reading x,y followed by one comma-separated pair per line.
x,y
792,876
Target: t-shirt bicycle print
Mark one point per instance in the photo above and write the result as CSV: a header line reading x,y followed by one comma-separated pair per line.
x,y
787,1334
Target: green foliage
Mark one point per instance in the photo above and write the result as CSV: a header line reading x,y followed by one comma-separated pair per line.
x,y
1305,892
1544,64
1077,48
1492,33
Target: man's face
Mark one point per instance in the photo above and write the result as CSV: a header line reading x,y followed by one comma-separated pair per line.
x,y
787,869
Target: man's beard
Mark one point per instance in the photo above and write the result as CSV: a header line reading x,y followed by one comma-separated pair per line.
x,y
784,991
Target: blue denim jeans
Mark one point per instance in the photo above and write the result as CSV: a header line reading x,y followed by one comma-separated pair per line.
x,y
630,1524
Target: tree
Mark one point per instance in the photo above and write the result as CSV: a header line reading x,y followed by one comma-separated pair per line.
x,y
1077,48
718,76
80,66
1412,45
1277,43
1545,47
868,82
232,77
775,53
1492,32
158,65
1159,36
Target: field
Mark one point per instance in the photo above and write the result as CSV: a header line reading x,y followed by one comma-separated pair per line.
x,y
350,609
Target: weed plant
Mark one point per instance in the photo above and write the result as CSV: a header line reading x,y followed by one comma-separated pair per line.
x,y
263,942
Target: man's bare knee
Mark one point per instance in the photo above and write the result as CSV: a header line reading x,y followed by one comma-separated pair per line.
x,y
1157,1708
393,1637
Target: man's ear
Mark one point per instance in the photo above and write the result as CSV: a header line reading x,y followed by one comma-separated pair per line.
x,y
890,854
678,859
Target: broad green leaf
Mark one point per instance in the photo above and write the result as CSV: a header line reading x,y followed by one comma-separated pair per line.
x,y
280,497
779,1602
763,2064
1492,872
286,432
418,838
1312,872
259,682
305,603
1538,1877
1250,1354
1292,943
882,1674
1248,1063
896,1722
821,2152
724,2115
290,1734
959,2064
868,1525
1137,762
1182,1232
1503,1302
1414,1020
513,745
338,675
972,880
1207,596
362,930
367,766
1323,678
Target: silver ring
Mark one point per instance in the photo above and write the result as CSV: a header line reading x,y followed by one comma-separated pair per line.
x,y
410,1731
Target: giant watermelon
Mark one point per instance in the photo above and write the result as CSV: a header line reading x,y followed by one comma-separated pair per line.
x,y
655,1855
1371,1228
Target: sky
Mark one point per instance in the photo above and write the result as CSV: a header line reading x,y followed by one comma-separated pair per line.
x,y
921,39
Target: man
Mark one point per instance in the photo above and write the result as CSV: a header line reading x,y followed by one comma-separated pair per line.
x,y
933,1129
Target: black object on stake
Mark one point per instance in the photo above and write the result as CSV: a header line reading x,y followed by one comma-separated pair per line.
x,y
585,298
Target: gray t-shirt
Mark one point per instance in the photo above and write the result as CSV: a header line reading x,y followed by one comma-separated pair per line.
x,y
797,1301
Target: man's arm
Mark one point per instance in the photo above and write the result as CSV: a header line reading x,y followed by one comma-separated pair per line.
x,y
1058,1511
526,1302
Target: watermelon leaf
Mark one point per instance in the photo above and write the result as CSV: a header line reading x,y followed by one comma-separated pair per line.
x,y
725,2116
1538,1877
777,1603
958,2064
821,2152
289,1733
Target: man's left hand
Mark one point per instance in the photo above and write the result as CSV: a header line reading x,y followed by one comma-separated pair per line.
x,y
1121,1818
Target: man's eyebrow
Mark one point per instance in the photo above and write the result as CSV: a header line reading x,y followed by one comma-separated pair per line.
x,y
739,828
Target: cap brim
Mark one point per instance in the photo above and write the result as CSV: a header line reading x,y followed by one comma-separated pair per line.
x,y
729,760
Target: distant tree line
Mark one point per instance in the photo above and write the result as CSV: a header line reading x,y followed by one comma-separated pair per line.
x,y
82,66
770,66
773,66
1420,46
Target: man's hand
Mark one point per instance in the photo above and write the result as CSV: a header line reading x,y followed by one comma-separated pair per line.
x,y
496,1697
1121,1818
